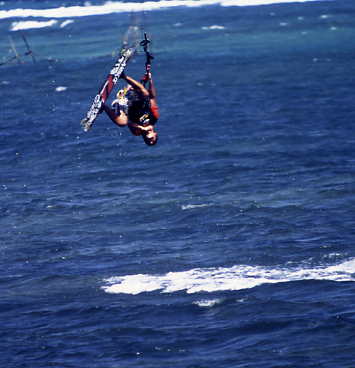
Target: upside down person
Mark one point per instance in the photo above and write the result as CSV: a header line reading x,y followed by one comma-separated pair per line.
x,y
136,107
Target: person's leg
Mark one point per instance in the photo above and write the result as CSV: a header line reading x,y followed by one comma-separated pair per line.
x,y
120,120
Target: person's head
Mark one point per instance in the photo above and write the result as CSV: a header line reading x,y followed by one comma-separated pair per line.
x,y
150,137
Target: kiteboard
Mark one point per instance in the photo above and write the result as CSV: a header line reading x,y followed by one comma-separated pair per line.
x,y
124,55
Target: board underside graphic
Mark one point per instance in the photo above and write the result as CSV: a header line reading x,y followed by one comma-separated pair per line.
x,y
105,90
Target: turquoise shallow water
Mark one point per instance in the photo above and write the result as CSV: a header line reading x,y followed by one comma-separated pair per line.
x,y
230,243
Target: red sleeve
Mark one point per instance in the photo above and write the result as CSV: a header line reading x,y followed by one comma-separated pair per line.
x,y
154,109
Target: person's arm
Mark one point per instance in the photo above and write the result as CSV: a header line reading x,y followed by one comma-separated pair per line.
x,y
136,85
135,128
152,97
151,88
141,128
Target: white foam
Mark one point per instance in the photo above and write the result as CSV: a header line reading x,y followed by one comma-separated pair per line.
x,y
16,26
207,303
221,279
61,89
192,206
66,22
260,2
121,7
215,26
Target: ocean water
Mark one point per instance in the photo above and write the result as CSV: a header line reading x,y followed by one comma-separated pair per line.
x,y
229,244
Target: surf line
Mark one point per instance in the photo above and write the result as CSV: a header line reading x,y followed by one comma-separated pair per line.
x,y
110,7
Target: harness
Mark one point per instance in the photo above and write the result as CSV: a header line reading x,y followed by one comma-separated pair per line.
x,y
138,107
129,101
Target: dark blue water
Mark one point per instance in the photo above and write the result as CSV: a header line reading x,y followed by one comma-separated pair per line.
x,y
231,242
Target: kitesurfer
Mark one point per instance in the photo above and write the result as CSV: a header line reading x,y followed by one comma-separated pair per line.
x,y
136,107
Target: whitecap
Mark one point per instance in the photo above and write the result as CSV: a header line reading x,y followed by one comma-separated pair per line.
x,y
260,2
66,22
215,26
207,303
225,278
192,206
61,89
21,25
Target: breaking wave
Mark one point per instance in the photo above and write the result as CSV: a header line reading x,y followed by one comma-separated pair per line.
x,y
17,26
122,7
222,279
